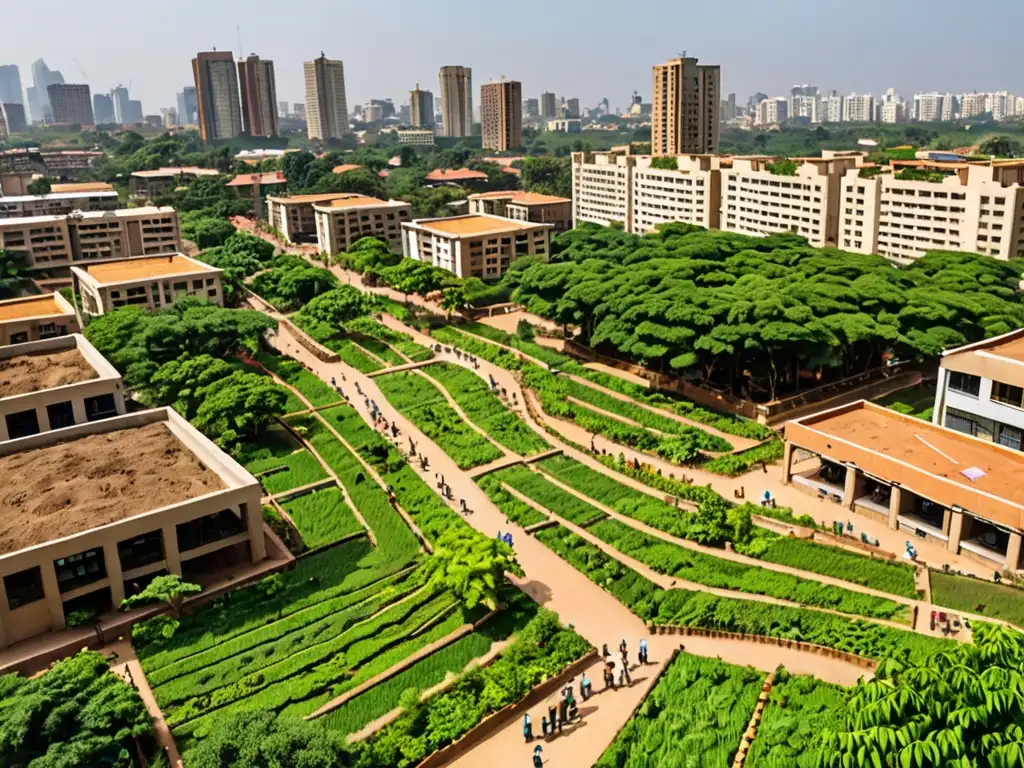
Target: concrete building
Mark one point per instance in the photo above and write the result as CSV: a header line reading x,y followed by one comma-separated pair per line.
x,y
343,221
975,207
417,138
475,245
772,111
929,107
757,200
54,243
294,216
69,163
456,101
525,206
42,78
14,116
572,108
973,104
685,118
58,203
421,104
691,193
188,106
832,108
31,318
859,108
921,478
220,111
531,108
154,282
326,104
10,85
103,109
258,87
148,185
54,384
892,109
547,105
501,115
565,126
120,99
70,104
98,533
602,188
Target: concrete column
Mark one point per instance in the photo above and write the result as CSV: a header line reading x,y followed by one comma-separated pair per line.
x,y
51,590
854,486
43,418
253,514
163,294
3,429
78,409
112,560
171,555
947,518
787,464
956,529
1013,552
895,499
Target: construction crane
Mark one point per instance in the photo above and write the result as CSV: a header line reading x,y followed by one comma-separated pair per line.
x,y
80,69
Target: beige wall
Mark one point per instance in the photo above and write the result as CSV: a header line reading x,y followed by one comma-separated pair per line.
x,y
486,257
294,220
58,205
689,194
337,229
602,188
685,108
36,328
153,293
557,214
501,115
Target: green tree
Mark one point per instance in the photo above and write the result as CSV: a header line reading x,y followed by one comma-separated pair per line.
x,y
452,300
546,176
292,282
205,231
168,589
338,306
471,566
420,278
14,273
238,407
1002,146
261,739
179,382
40,186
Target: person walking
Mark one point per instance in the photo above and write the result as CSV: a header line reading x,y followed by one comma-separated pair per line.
x,y
538,761
622,651
527,728
643,651
585,687
552,716
563,713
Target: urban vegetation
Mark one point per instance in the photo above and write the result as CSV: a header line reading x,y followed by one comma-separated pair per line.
x,y
963,593
322,517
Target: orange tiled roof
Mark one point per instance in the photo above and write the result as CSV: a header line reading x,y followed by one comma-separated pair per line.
x,y
246,179
346,167
455,174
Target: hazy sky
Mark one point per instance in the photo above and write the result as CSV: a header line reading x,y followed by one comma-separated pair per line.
x,y
585,48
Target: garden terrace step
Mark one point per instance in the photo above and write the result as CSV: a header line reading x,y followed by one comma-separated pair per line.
x,y
400,368
302,490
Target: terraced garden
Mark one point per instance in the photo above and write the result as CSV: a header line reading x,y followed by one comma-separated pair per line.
x,y
311,387
280,462
401,342
999,601
698,709
322,517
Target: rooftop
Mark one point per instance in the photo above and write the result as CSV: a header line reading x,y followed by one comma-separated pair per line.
x,y
522,198
356,201
84,483
80,194
461,226
323,197
455,174
1008,345
85,216
34,306
145,268
265,179
346,167
170,173
81,186
34,372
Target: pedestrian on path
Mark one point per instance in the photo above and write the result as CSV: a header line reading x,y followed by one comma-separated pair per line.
x,y
360,391
624,677
544,726
609,674
585,687
552,714
622,648
643,651
412,447
538,761
507,538
563,713
604,650
527,728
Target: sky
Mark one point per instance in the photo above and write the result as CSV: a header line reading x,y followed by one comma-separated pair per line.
x,y
588,49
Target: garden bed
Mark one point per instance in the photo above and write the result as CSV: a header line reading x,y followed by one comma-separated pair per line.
x,y
279,461
322,517
292,372
963,593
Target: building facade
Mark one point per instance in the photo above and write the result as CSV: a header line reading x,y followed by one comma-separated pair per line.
x,y
154,282
689,194
220,111
259,96
859,108
456,101
148,185
32,318
525,206
602,188
10,85
547,106
57,204
684,118
326,103
340,223
501,115
294,217
70,104
103,109
475,245
417,138
14,116
772,111
421,104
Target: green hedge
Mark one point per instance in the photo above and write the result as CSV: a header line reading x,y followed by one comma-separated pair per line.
x,y
536,488
322,517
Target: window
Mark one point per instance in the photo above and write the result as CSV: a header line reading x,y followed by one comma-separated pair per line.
x,y
61,415
22,424
1009,436
961,424
141,551
964,383
24,587
1007,393
81,569
100,407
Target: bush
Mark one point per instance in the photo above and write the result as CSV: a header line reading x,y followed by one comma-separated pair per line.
x,y
153,631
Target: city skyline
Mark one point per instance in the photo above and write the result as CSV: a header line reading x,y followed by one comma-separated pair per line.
x,y
589,73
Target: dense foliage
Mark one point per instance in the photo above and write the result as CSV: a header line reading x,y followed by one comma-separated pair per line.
x,y
291,282
239,256
1000,601
14,273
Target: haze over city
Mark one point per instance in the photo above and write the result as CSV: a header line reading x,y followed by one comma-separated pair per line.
x,y
590,48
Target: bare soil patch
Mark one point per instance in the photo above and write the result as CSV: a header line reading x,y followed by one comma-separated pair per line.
x,y
31,373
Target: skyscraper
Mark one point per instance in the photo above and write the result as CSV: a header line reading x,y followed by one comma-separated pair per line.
x,y
422,105
14,114
501,115
326,105
572,108
684,116
70,104
119,100
220,113
103,109
38,98
456,101
188,108
259,96
547,106
531,108
282,109
10,85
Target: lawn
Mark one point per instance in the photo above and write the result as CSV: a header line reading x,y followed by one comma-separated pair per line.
x,y
963,593
917,401
420,402
351,354
396,339
484,409
292,372
699,707
381,350
277,450
322,517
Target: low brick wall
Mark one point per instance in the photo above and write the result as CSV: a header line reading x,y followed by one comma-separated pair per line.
x,y
780,526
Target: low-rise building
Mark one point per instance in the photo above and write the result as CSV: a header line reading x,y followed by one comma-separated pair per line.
x,y
54,384
32,318
294,217
525,206
340,223
57,203
569,125
113,503
925,205
148,185
690,193
455,177
153,282
54,243
69,163
475,245
920,477
602,188
81,186
244,182
417,138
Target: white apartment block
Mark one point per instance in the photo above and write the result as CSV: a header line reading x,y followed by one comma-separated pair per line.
x,y
859,108
155,282
602,188
832,108
772,111
57,204
689,194
977,208
929,107
892,109
808,107
973,104
342,222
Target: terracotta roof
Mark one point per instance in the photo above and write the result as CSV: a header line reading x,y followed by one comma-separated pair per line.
x,y
265,179
520,197
460,226
37,306
161,173
384,174
83,186
455,174
395,162
346,167
144,268
513,171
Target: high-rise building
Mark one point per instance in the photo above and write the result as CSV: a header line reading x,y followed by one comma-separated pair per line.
x,y
10,85
169,116
501,115
893,109
859,108
548,109
404,114
188,107
133,113
730,107
220,112
14,115
772,111
259,96
70,104
572,108
120,98
326,105
102,109
282,109
299,110
422,104
531,108
684,118
928,107
456,101
38,99
973,104
387,107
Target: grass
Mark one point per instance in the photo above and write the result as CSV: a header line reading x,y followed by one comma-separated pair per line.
x,y
484,409
700,707
292,372
351,354
322,517
420,402
518,512
551,497
917,401
382,351
402,342
997,601
277,449
740,463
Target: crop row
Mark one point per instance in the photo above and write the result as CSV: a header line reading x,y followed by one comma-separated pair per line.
x,y
518,512
737,464
1000,601
322,517
420,402
274,449
292,372
699,707
401,341
485,410
302,468
551,497
381,351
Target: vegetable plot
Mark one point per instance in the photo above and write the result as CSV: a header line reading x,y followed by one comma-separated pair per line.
x,y
322,517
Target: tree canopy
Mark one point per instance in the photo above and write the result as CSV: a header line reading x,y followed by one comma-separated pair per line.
x,y
262,739
471,566
338,306
239,406
292,282
14,273
168,589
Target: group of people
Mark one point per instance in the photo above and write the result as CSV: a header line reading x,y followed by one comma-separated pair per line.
x,y
618,669
564,710
506,537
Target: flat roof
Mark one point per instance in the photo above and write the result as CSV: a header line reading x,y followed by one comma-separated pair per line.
x,y
82,186
460,226
33,306
84,483
320,198
455,174
346,167
36,371
1009,345
185,170
144,268
923,448
521,198
355,202
120,213
80,194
